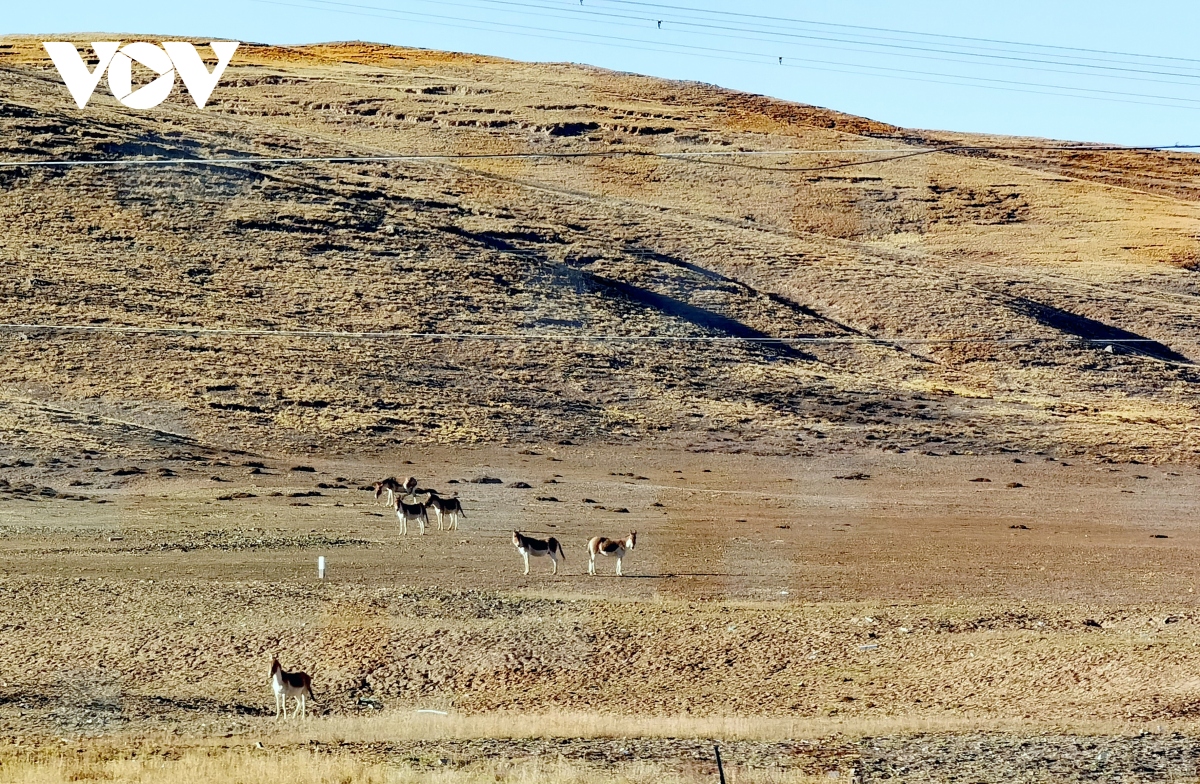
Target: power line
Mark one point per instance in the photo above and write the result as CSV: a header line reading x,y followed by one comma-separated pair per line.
x,y
724,54
1099,94
340,5
776,33
542,36
778,19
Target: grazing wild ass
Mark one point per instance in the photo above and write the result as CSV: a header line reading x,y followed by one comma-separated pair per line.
x,y
393,487
527,546
599,545
296,685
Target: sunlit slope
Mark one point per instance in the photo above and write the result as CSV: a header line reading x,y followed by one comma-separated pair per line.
x,y
1019,258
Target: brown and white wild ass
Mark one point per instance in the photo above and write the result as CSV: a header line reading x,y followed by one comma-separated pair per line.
x,y
527,546
393,487
407,512
446,507
599,545
296,685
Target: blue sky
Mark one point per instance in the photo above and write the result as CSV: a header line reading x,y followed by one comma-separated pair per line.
x,y
917,64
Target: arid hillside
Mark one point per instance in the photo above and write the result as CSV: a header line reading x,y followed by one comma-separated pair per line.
x,y
978,300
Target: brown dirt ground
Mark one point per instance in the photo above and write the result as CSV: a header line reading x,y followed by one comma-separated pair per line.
x,y
758,587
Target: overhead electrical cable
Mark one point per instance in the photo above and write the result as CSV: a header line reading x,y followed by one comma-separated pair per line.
x,y
1007,85
780,19
774,36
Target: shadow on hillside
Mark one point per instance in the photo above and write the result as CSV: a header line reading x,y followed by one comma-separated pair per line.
x,y
779,300
1096,331
697,316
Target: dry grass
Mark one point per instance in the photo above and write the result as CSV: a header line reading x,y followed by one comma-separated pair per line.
x,y
254,766
408,725
372,750
227,765
961,246
347,751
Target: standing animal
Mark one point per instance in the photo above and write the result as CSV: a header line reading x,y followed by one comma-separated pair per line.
x,y
296,685
599,545
446,507
393,487
407,512
527,546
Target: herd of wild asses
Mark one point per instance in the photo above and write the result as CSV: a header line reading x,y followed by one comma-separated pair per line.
x,y
411,504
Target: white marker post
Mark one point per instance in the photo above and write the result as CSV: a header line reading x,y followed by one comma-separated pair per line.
x,y
321,567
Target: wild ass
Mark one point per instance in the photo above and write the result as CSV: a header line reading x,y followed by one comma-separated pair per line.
x,y
527,546
446,507
415,511
296,685
393,488
599,545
